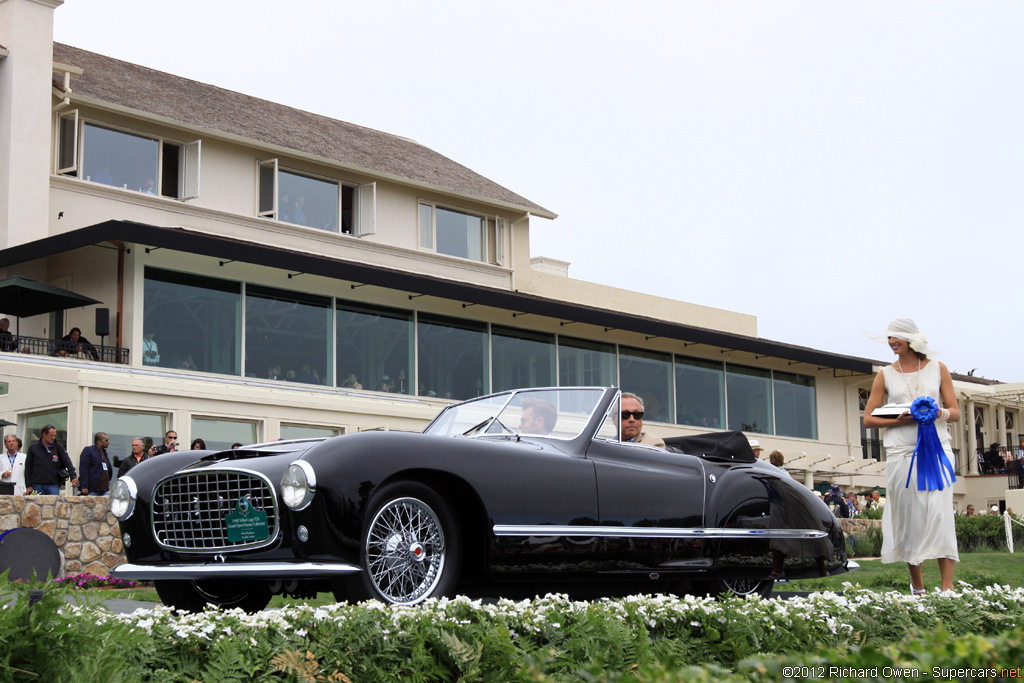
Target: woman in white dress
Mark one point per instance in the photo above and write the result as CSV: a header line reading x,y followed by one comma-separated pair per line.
x,y
916,525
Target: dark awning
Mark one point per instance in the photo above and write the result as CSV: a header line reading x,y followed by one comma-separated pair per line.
x,y
189,241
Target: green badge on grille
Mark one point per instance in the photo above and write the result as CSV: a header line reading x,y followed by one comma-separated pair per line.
x,y
246,523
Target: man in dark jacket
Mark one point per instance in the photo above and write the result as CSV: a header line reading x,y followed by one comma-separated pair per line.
x,y
46,458
834,500
96,470
138,454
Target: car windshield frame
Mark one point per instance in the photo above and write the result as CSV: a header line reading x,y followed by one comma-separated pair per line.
x,y
501,414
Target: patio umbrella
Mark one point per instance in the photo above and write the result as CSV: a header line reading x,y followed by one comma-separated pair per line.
x,y
22,297
5,423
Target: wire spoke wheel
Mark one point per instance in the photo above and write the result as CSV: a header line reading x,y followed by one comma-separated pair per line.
x,y
405,551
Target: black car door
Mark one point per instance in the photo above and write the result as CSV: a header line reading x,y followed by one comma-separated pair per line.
x,y
652,503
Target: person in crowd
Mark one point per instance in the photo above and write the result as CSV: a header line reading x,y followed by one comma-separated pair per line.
x,y
308,375
777,459
756,446
969,512
46,463
917,525
137,455
539,417
632,425
235,445
150,350
351,382
70,343
14,464
995,510
198,445
835,501
851,504
7,340
95,465
169,445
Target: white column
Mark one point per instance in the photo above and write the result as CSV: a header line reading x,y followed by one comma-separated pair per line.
x,y
972,438
809,479
1001,425
26,30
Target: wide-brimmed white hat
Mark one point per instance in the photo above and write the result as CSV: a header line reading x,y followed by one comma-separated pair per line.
x,y
906,328
755,445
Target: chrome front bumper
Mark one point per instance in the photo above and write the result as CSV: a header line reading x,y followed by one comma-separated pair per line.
x,y
222,570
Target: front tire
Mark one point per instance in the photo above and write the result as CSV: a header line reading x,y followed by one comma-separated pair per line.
x,y
194,596
410,548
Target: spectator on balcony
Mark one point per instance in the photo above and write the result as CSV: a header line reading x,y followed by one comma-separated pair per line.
x,y
96,469
70,343
150,351
8,342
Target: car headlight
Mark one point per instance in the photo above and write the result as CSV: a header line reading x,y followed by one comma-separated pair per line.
x,y
122,497
298,485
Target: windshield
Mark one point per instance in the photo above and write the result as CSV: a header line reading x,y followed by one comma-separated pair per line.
x,y
558,413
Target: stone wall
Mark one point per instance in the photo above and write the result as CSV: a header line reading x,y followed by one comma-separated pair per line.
x,y
85,532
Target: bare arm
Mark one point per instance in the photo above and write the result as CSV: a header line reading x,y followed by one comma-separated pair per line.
x,y
948,394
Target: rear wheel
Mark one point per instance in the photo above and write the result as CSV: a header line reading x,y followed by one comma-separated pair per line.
x,y
410,549
194,596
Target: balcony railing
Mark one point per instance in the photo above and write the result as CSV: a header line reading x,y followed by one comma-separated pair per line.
x,y
39,346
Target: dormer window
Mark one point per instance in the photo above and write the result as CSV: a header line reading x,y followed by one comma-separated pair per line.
x,y
315,202
130,161
457,233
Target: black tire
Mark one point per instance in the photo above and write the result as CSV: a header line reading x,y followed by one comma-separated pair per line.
x,y
410,547
723,588
194,596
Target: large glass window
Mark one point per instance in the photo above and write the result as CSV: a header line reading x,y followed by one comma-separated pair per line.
x,y
218,434
796,412
113,157
648,374
194,322
749,392
122,427
452,357
305,200
700,393
375,349
308,432
130,161
452,232
287,335
34,423
521,359
583,363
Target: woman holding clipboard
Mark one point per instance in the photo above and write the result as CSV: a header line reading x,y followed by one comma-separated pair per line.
x,y
917,522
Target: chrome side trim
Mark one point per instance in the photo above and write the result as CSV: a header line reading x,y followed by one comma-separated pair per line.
x,y
253,570
650,532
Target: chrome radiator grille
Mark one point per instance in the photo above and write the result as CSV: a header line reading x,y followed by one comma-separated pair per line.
x,y
189,509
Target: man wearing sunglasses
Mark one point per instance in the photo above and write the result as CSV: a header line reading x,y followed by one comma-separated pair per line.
x,y
632,429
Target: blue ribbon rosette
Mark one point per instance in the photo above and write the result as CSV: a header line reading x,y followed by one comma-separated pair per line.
x,y
934,470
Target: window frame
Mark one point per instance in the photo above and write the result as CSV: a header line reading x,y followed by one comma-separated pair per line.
x,y
492,233
189,161
364,216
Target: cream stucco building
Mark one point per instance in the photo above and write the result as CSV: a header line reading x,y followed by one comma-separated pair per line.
x,y
269,273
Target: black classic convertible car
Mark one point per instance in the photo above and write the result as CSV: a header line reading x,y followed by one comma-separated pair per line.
x,y
487,501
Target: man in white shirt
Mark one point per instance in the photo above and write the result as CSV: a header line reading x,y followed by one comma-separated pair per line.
x,y
14,464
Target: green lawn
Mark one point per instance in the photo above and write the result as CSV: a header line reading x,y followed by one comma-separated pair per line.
x,y
977,569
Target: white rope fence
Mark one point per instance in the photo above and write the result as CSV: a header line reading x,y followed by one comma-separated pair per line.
x,y
1009,521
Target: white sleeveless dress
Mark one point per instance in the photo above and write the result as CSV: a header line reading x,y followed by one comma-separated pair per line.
x,y
916,525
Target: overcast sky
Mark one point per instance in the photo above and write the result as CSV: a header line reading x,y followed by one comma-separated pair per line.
x,y
822,166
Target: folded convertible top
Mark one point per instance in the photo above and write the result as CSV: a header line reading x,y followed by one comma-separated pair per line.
x,y
726,446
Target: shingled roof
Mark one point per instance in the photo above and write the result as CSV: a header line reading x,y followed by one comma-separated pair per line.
x,y
189,102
